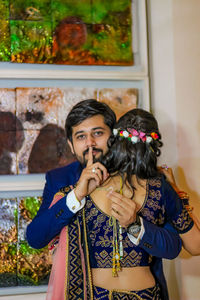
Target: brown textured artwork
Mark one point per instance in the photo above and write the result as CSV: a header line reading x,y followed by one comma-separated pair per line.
x,y
120,100
32,120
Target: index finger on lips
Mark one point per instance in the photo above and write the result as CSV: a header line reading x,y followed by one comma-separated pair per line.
x,y
90,157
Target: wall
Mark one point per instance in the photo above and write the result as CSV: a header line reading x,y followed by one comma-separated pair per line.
x,y
175,73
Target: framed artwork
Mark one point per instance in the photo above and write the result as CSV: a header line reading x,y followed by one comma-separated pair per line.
x,y
32,124
20,265
67,32
105,39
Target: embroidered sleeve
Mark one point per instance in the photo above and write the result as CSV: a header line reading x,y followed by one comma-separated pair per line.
x,y
183,222
176,212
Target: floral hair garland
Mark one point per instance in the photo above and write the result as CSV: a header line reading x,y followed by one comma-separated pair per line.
x,y
135,136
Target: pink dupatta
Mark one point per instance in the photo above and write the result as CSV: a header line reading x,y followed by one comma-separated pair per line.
x,y
58,281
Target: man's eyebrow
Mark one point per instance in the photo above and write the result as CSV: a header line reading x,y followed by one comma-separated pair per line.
x,y
78,132
93,129
98,128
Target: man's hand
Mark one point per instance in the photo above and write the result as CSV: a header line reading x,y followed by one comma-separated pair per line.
x,y
91,177
122,208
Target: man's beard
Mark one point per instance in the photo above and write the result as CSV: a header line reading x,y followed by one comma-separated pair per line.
x,y
84,161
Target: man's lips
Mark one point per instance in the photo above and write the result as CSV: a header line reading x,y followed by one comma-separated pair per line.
x,y
94,152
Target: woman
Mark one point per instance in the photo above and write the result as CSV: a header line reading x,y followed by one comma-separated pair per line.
x,y
132,165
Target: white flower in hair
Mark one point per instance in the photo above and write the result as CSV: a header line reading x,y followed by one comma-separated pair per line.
x,y
134,139
149,139
115,131
125,133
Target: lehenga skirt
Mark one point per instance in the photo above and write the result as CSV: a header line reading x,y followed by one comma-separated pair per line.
x,y
146,294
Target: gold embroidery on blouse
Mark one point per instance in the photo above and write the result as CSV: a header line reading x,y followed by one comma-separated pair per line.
x,y
104,259
153,204
152,201
133,258
183,221
105,241
149,215
155,182
150,258
154,194
160,219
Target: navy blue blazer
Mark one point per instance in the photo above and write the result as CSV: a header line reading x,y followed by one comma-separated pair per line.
x,y
160,242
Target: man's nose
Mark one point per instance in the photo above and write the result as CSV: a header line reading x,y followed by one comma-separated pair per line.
x,y
91,141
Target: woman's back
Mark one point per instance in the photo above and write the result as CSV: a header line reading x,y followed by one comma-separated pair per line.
x,y
135,273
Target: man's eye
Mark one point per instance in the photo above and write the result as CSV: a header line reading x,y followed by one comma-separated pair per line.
x,y
98,133
80,137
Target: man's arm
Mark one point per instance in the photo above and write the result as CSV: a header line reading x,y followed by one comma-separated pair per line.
x,y
49,221
163,242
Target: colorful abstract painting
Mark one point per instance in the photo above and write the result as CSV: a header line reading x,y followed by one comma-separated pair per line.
x,y
72,32
20,264
32,122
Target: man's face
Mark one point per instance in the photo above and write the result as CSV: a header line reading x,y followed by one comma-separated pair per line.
x,y
92,132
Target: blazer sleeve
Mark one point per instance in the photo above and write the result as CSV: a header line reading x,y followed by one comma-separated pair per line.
x,y
163,242
49,221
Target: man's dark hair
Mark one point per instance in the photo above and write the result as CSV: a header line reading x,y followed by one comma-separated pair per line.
x,y
127,158
87,109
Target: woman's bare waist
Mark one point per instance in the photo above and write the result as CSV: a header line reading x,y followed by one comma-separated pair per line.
x,y
135,278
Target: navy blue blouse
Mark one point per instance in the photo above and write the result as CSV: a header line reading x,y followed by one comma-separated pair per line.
x,y
161,205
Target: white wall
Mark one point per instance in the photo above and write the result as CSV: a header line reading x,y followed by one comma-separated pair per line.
x,y
175,83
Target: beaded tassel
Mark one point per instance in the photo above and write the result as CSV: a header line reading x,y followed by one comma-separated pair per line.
x,y
117,248
121,252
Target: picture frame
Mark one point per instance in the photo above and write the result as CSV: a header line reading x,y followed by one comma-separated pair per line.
x,y
65,72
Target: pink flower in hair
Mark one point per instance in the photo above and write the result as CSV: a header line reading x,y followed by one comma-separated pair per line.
x,y
139,134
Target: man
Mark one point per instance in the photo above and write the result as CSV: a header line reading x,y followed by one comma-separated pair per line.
x,y
88,127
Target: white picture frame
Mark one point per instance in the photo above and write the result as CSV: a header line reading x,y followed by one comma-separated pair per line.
x,y
56,72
